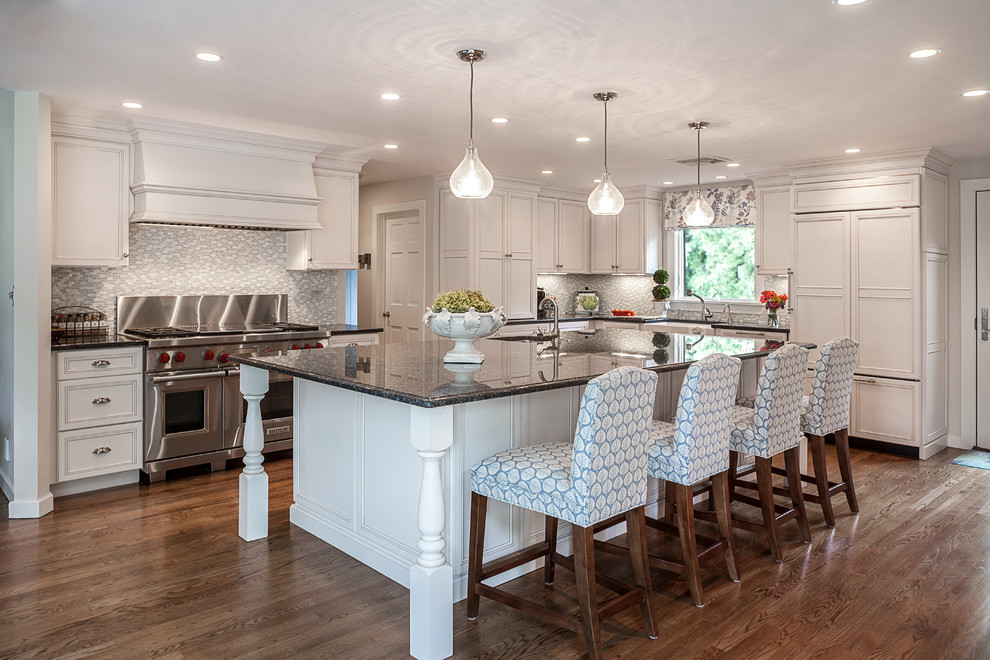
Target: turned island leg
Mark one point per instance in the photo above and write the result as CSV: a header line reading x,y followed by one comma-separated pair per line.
x,y
431,583
252,520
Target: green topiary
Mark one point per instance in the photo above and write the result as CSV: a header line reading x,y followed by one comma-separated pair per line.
x,y
660,276
660,292
660,356
661,339
460,300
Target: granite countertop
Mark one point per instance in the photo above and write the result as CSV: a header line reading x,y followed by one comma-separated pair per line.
x,y
95,341
414,373
349,329
651,320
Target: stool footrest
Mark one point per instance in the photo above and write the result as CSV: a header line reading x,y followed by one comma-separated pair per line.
x,y
518,558
550,616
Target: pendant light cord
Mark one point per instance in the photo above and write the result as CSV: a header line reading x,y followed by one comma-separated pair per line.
x,y
471,106
698,131
606,134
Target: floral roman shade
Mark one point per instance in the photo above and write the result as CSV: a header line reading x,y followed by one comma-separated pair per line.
x,y
734,206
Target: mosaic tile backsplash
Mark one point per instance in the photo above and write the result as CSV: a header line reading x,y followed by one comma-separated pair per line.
x,y
168,260
635,292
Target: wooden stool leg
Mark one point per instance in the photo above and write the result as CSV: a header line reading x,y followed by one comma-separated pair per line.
x,y
476,546
733,466
689,543
845,467
720,493
765,485
791,458
548,564
817,445
636,534
583,539
669,502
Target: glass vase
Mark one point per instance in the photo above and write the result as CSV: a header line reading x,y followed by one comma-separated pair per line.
x,y
773,321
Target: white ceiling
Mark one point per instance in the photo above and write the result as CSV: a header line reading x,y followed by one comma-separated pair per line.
x,y
779,80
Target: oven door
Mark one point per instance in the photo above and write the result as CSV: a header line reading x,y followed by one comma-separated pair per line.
x,y
184,414
276,413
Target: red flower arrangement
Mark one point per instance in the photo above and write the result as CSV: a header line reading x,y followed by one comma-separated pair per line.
x,y
772,300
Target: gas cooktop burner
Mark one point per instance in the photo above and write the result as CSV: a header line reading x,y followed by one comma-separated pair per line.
x,y
213,330
160,333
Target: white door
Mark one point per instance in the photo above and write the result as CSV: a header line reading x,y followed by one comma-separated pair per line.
x,y
983,319
405,277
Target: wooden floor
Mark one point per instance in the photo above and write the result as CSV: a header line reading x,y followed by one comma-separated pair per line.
x,y
157,570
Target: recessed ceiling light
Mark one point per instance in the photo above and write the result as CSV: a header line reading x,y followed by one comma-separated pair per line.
x,y
391,146
721,176
846,3
390,96
977,92
853,150
924,52
582,139
547,172
209,57
499,120
133,105
668,183
732,164
598,180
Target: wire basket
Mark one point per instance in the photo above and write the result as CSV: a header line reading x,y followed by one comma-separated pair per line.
x,y
75,321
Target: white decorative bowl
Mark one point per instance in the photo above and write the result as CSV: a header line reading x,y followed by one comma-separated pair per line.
x,y
464,329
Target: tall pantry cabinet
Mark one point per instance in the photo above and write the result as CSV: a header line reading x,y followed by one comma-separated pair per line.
x,y
489,245
870,262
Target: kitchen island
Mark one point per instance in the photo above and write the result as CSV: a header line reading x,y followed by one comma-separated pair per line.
x,y
385,436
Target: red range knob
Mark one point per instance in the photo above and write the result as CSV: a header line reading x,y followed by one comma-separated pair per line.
x,y
208,354
319,345
164,358
307,346
224,357
294,347
179,357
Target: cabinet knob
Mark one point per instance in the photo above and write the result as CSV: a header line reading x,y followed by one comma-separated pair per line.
x,y
101,450
101,363
125,255
100,400
757,266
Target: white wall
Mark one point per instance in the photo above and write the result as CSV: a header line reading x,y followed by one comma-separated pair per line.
x,y
977,168
25,247
394,192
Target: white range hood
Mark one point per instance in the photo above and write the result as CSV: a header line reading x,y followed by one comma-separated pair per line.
x,y
197,175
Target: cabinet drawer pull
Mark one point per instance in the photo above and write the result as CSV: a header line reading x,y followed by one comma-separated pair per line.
x,y
101,450
101,363
100,400
353,343
864,380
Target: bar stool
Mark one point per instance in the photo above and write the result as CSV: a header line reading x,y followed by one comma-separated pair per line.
x,y
603,474
692,449
826,412
772,427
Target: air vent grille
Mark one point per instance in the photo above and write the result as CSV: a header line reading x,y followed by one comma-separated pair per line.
x,y
705,160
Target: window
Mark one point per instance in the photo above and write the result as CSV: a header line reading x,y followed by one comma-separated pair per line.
x,y
718,264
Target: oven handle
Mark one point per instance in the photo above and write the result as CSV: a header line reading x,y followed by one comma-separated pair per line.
x,y
233,372
193,376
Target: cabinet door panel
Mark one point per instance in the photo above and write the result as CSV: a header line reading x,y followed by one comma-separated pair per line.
x,y
491,274
455,230
820,285
572,236
336,245
491,225
630,238
521,289
546,232
774,243
885,410
602,243
102,450
520,224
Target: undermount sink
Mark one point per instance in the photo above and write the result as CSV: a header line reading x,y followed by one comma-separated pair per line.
x,y
524,338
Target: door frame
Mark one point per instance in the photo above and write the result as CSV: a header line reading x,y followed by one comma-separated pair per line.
x,y
378,215
968,304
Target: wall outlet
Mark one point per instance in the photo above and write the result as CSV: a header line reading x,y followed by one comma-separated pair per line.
x,y
6,450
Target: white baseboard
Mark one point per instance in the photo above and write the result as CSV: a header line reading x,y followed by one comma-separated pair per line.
x,y
95,483
31,509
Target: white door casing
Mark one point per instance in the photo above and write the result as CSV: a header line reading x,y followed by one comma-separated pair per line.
x,y
982,329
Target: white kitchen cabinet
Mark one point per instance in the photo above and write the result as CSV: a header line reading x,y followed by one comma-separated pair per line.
x,y
562,234
99,397
335,246
627,243
490,245
91,200
751,334
885,409
356,339
774,242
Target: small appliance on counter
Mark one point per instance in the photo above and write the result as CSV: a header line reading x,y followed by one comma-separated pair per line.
x,y
586,302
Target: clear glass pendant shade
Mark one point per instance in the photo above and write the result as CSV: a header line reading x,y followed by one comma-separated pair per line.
x,y
606,199
699,213
471,179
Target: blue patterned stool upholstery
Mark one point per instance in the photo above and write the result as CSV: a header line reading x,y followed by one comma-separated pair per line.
x,y
826,412
602,475
693,448
771,427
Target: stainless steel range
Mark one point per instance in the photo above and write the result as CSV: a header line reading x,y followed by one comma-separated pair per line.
x,y
194,409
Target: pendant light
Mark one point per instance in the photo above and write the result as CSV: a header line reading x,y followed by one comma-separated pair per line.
x,y
606,199
699,213
471,179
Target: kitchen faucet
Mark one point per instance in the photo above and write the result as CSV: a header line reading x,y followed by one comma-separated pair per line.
x,y
705,312
727,308
552,302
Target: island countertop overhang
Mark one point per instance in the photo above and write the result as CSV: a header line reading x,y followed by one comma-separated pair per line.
x,y
415,373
